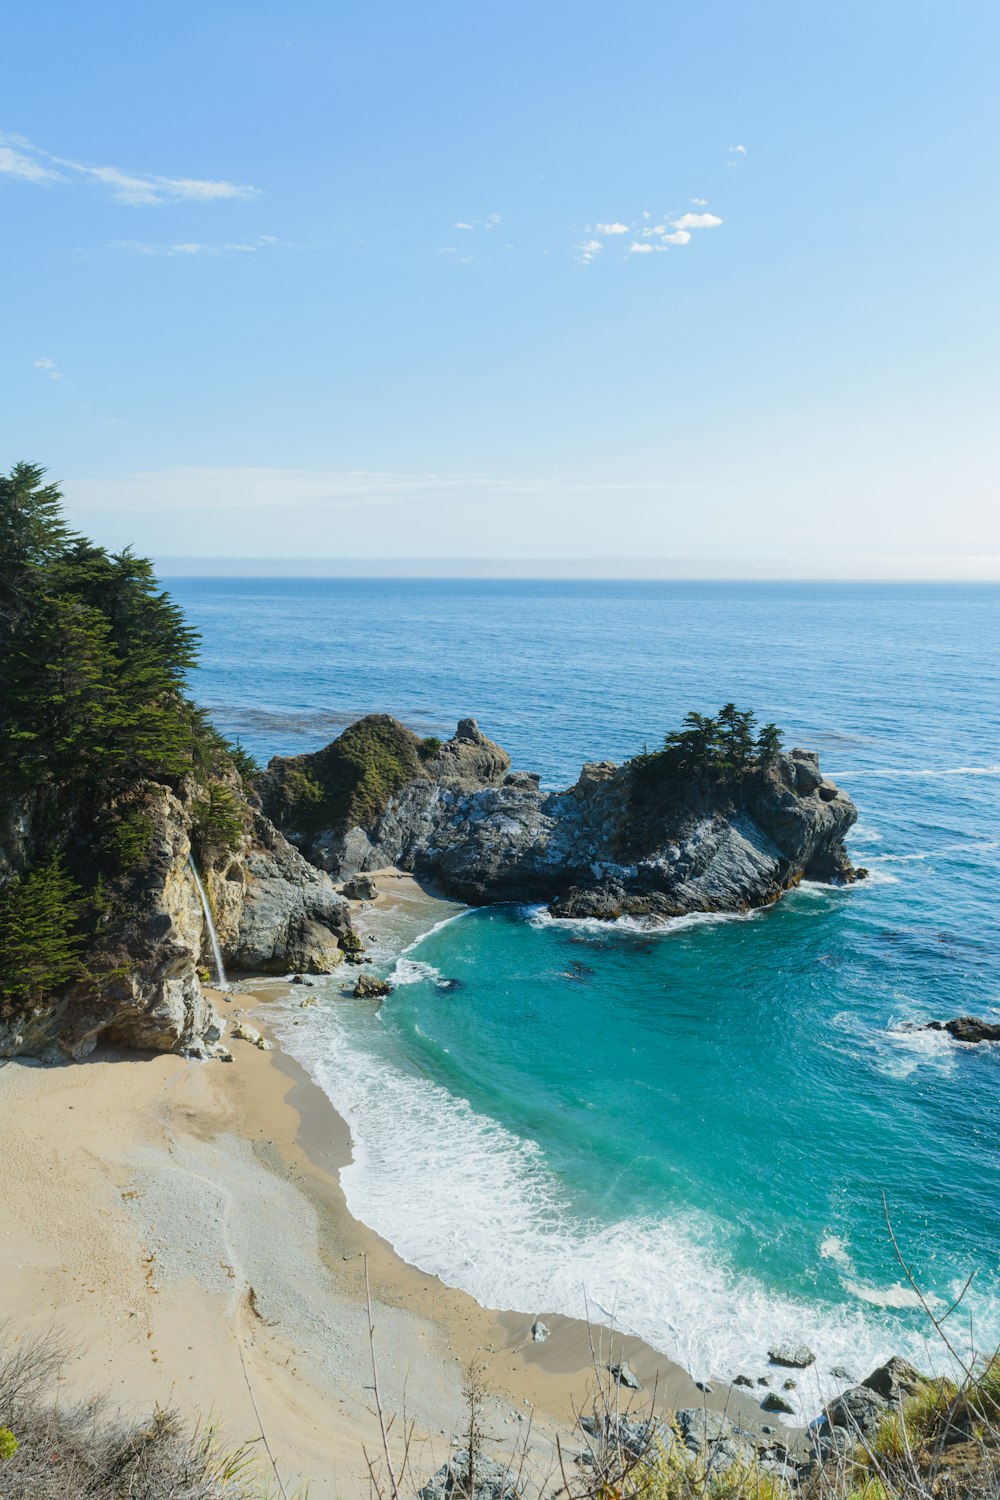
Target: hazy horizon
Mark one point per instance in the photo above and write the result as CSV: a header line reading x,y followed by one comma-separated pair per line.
x,y
625,570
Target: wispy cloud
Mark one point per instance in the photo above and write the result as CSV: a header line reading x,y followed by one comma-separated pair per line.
x,y
590,250
49,367
701,202
20,158
238,489
17,164
697,221
614,228
641,247
738,150
678,237
193,248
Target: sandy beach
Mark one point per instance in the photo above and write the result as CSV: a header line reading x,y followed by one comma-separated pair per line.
x,y
182,1227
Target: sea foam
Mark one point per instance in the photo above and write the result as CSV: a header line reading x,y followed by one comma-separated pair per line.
x,y
465,1199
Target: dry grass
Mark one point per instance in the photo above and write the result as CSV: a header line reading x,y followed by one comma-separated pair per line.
x,y
54,1449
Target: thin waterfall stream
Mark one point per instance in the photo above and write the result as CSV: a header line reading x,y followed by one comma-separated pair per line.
x,y
221,981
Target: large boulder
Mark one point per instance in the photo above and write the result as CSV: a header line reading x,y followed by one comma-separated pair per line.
x,y
859,1409
967,1029
490,1480
895,1379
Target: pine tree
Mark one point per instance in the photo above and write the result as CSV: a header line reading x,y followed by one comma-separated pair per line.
x,y
32,533
39,944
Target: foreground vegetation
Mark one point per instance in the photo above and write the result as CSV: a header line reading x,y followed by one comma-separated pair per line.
x,y
55,1449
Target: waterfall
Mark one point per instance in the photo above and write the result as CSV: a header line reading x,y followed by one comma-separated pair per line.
x,y
221,981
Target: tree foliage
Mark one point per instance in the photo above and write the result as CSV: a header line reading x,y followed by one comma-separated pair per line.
x,y
39,942
723,747
93,655
93,661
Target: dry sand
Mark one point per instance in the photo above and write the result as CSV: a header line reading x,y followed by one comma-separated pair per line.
x,y
182,1226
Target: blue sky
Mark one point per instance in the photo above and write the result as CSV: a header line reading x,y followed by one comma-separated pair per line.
x,y
684,287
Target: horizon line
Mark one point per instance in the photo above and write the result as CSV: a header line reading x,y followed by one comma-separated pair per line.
x,y
985,570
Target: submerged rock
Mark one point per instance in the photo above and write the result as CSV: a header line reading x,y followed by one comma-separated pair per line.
x,y
793,1356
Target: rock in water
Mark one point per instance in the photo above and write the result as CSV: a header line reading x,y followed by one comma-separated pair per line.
x,y
794,1357
773,1402
612,844
360,888
539,1331
625,1375
369,987
967,1029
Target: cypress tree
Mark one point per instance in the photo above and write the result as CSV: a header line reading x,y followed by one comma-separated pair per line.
x,y
39,942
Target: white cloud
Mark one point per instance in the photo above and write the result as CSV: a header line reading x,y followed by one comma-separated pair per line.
x,y
700,201
49,366
641,247
460,225
697,221
679,237
16,164
20,158
194,247
614,228
739,150
590,249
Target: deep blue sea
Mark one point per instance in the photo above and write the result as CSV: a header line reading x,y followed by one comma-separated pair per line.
x,y
690,1129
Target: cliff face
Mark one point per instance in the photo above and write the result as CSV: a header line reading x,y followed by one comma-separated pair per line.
x,y
273,911
611,844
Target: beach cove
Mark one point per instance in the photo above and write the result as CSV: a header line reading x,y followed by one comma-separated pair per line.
x,y
180,1228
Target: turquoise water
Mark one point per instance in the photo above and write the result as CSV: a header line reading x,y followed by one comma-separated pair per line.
x,y
689,1128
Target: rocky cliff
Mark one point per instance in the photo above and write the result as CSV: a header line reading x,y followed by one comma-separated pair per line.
x,y
148,950
620,841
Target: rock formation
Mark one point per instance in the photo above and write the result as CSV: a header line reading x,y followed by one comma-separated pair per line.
x,y
615,843
273,912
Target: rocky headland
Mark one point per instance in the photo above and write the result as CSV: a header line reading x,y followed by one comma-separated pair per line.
x,y
642,839
147,954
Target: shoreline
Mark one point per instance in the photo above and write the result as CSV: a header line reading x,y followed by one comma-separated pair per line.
x,y
182,1226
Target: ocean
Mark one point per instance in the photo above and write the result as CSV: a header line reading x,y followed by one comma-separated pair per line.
x,y
701,1131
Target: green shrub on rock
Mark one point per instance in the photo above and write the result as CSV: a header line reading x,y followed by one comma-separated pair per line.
x,y
39,939
217,824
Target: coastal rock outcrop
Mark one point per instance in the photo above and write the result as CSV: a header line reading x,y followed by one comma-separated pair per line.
x,y
624,840
967,1029
148,957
